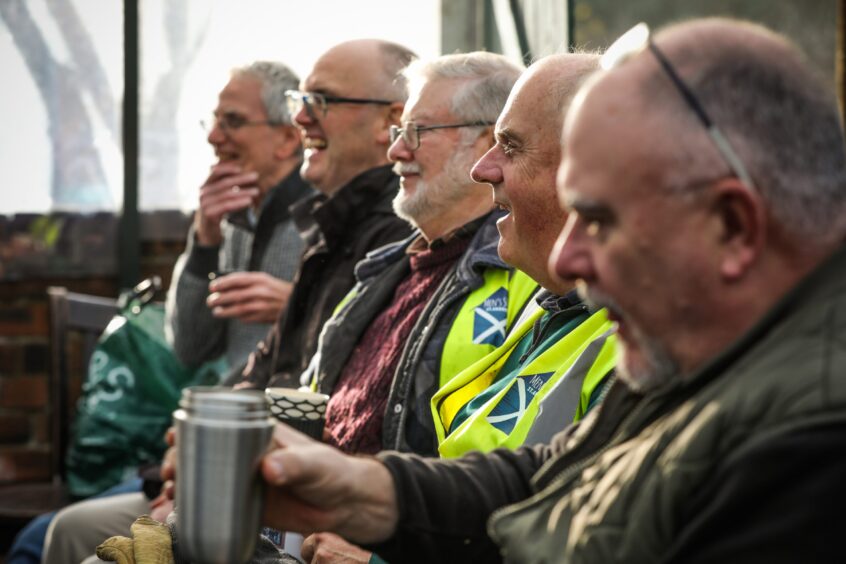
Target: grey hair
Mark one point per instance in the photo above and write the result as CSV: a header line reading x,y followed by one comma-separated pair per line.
x,y
395,58
776,113
275,79
488,80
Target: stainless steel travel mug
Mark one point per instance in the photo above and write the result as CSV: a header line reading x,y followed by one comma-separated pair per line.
x,y
221,436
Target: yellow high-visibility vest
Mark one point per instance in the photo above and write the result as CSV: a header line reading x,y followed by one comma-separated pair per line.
x,y
505,420
484,320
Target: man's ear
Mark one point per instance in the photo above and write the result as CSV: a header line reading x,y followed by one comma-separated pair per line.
x,y
742,227
287,142
392,117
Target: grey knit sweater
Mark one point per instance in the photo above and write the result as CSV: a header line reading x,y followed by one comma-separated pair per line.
x,y
273,247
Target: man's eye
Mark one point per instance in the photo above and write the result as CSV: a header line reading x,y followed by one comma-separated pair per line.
x,y
508,149
233,121
594,227
595,222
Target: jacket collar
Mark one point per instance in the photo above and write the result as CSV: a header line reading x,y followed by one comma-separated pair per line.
x,y
480,254
329,220
553,303
274,209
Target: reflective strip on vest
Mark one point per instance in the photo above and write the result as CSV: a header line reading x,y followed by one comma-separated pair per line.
x,y
505,420
484,320
572,392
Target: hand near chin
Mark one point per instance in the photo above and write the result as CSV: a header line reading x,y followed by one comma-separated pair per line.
x,y
227,189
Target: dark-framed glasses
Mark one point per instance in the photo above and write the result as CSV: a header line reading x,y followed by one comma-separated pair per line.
x,y
231,121
314,102
410,133
639,38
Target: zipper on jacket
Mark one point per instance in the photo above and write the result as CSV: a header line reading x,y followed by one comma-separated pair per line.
x,y
415,353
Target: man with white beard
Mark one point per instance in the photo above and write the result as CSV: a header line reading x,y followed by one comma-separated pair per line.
x,y
427,307
415,317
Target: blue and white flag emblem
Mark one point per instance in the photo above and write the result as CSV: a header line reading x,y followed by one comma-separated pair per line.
x,y
490,318
505,415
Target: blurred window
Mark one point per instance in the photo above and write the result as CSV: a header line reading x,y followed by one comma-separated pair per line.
x,y
812,25
61,141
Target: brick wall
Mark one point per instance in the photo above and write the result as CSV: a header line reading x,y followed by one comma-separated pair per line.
x,y
25,364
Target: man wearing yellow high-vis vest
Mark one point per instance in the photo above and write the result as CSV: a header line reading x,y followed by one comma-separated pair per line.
x,y
552,368
426,307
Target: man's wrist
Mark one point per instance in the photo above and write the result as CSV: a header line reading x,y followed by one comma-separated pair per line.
x,y
377,514
202,259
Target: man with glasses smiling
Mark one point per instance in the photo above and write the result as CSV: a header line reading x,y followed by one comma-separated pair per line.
x,y
425,293
242,225
344,110
723,438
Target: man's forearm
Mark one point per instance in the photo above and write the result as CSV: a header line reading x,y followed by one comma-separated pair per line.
x,y
444,505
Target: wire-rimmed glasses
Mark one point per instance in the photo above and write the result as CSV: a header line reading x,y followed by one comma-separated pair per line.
x,y
410,132
231,121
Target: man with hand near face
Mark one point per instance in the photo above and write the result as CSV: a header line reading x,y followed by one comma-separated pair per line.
x,y
242,224
259,153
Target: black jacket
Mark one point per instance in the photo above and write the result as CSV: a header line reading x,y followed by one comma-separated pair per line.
x,y
338,232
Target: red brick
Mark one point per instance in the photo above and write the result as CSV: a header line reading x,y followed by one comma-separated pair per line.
x,y
24,464
23,392
11,357
20,356
36,288
36,357
14,429
40,428
24,318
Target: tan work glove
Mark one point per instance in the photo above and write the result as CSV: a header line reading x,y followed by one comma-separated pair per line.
x,y
150,544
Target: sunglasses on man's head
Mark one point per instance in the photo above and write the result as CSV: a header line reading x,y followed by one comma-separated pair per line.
x,y
636,40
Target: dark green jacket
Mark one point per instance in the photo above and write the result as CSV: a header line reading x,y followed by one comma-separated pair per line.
x,y
745,461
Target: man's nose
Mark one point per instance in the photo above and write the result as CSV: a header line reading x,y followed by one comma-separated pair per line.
x,y
487,169
570,258
399,151
303,116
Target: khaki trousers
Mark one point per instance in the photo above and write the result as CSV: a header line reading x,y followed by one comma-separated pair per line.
x,y
77,529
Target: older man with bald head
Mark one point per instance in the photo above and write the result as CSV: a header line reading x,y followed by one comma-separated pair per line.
x,y
704,172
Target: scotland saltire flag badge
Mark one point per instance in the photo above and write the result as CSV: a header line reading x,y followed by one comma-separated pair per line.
x,y
516,400
490,318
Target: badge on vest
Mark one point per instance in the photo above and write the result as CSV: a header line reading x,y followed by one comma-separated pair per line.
x,y
490,319
505,414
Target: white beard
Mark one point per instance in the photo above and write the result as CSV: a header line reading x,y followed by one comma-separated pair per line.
x,y
437,195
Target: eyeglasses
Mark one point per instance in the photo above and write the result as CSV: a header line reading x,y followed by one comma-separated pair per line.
x,y
411,132
229,121
297,100
636,40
